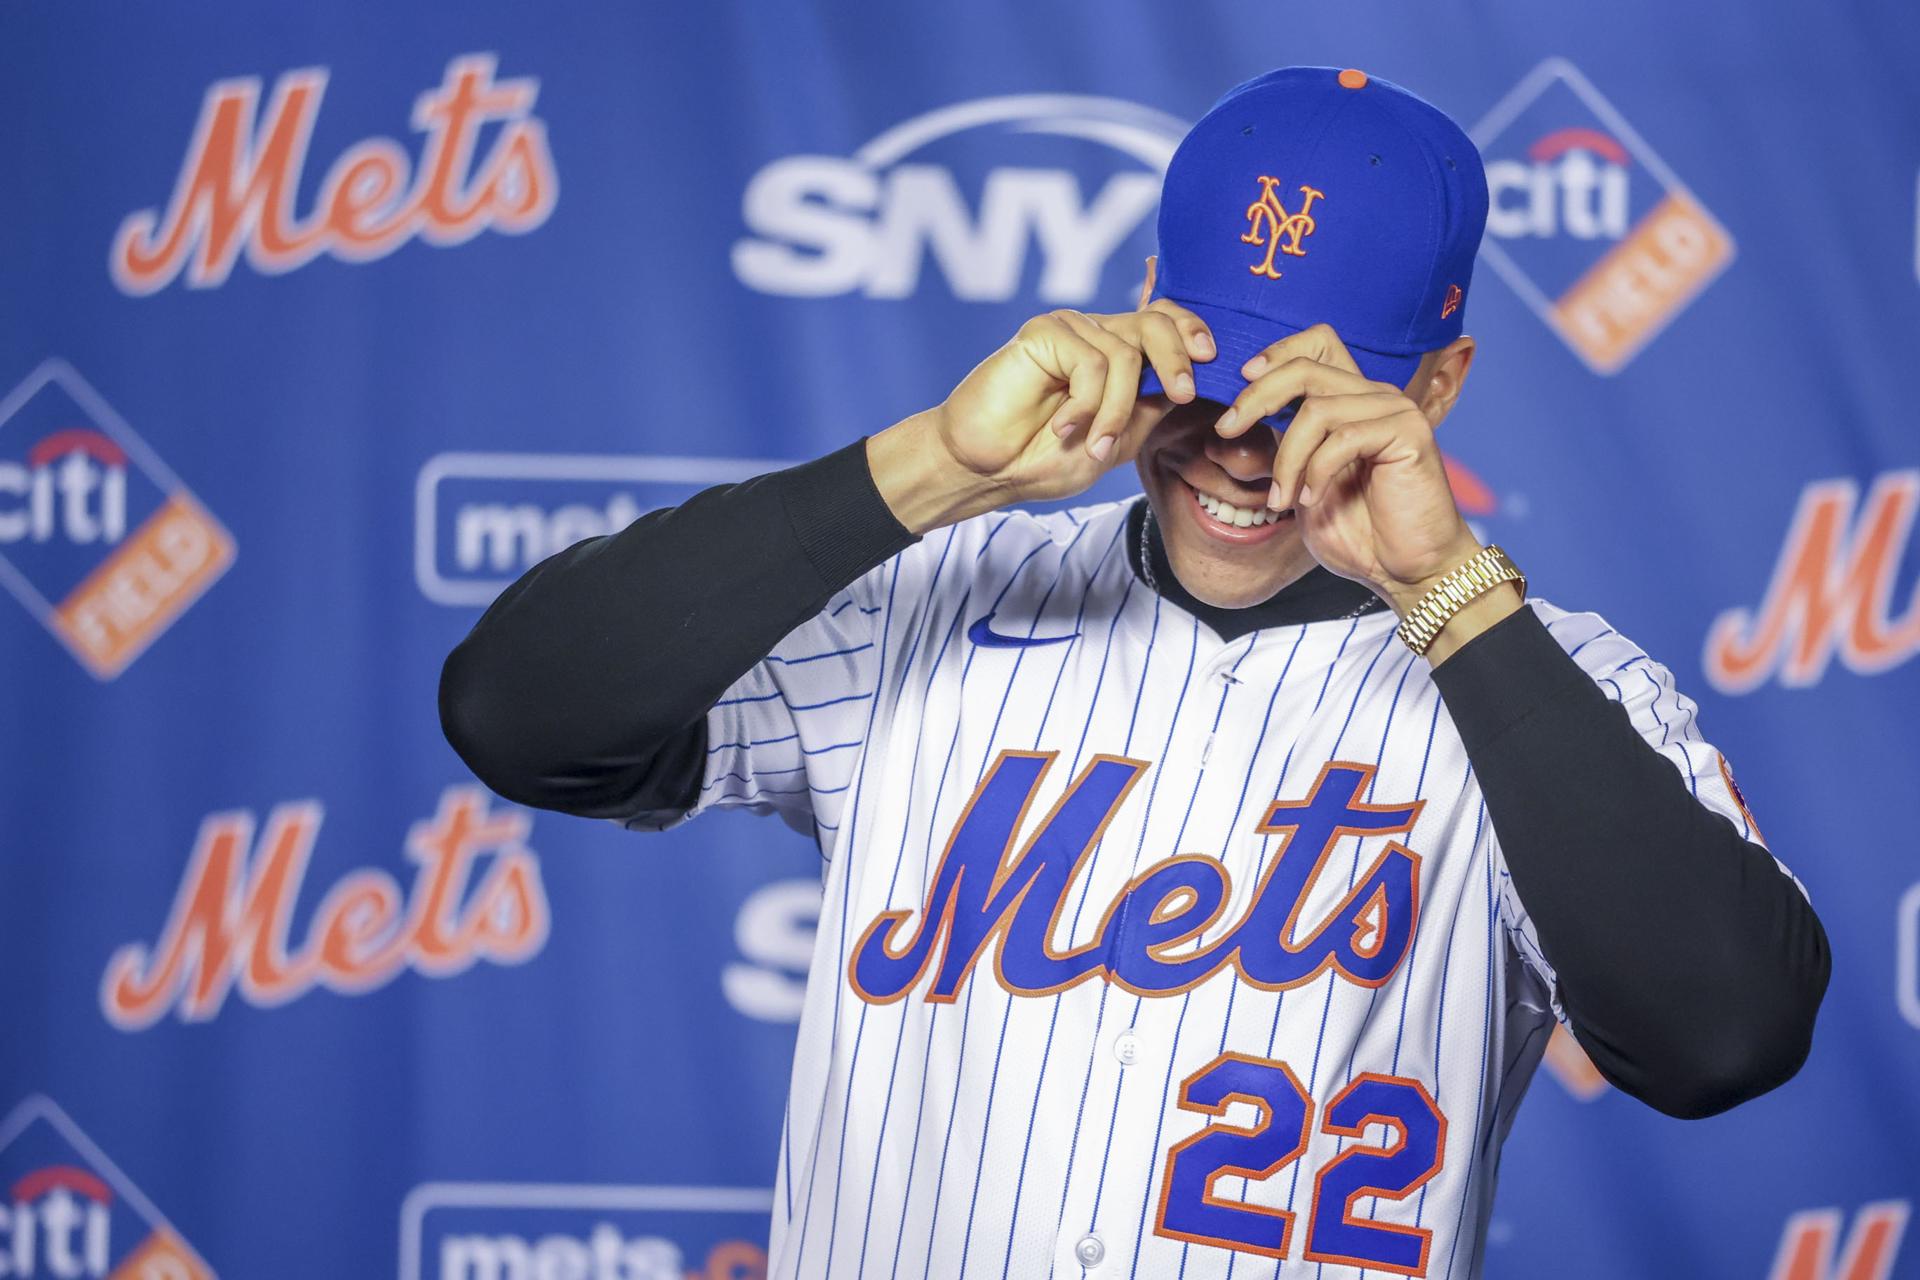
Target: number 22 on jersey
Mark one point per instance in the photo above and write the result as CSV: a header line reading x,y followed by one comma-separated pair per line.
x,y
1190,1210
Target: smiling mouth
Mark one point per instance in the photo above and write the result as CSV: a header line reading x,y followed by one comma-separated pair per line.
x,y
1231,523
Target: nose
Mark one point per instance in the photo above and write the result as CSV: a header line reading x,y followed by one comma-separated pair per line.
x,y
1248,457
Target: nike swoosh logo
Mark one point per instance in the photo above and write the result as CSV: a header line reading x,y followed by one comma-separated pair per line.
x,y
987,638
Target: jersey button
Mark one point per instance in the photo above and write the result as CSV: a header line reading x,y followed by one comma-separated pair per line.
x,y
1126,1047
1090,1251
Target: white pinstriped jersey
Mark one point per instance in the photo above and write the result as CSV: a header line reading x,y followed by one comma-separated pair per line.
x,y
1142,952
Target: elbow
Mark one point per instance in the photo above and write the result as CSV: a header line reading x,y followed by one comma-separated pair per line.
x,y
478,720
1759,1045
1718,1076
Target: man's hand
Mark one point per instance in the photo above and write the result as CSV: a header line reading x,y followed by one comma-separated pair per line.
x,y
1043,417
1359,466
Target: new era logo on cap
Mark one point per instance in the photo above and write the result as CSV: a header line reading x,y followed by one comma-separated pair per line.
x,y
1311,195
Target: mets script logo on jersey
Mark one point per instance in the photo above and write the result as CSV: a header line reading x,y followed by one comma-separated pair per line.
x,y
1073,176
1269,224
1586,223
512,1230
71,1213
98,539
242,172
1831,593
982,891
235,905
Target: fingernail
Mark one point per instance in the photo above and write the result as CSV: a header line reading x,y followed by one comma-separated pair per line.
x,y
1101,447
1254,367
1203,343
1225,422
1062,427
1306,495
1184,384
1273,497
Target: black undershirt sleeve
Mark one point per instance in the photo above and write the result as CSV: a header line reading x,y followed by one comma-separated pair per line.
x,y
1690,967
585,687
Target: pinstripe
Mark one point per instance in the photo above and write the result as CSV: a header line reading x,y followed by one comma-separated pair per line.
x,y
1479,1094
816,700
846,890
986,1126
1326,1005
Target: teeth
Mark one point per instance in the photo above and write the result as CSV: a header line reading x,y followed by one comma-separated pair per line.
x,y
1239,517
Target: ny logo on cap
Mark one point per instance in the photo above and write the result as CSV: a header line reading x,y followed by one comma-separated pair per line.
x,y
1278,223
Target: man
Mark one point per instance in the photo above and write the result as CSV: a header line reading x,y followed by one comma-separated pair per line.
x,y
1182,910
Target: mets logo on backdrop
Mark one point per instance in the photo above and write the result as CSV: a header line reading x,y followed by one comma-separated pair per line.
x,y
244,169
98,539
1832,592
512,1230
1586,223
71,1213
1031,194
1268,223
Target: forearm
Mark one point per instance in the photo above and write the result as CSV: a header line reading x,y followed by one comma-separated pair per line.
x,y
1690,967
589,679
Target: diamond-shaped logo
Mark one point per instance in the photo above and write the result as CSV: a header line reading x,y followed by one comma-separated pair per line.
x,y
1586,223
72,1213
98,539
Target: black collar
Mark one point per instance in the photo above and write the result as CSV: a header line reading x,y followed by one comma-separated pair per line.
x,y
1316,596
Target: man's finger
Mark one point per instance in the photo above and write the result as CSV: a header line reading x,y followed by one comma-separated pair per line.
x,y
1166,350
1304,436
1063,354
1346,445
1279,387
1193,330
1317,342
1122,382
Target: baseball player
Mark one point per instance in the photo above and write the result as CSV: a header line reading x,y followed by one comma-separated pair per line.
x,y
1204,871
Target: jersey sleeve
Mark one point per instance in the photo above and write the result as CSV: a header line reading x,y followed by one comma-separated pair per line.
x,y
784,738
1666,719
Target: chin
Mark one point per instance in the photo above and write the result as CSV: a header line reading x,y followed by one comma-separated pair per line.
x,y
1223,562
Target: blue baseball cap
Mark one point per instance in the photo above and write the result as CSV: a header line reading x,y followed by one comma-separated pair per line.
x,y
1311,195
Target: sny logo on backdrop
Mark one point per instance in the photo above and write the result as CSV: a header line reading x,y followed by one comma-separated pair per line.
x,y
530,1231
827,225
98,539
72,1214
1831,592
480,520
1586,223
237,185
230,919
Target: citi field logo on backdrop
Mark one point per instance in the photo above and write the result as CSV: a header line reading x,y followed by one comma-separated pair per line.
x,y
228,927
1586,223
72,1214
243,170
524,1231
1831,592
99,540
1062,178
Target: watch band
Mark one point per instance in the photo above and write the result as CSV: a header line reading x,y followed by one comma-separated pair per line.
x,y
1487,569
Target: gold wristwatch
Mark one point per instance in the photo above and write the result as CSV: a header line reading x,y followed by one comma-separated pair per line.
x,y
1488,568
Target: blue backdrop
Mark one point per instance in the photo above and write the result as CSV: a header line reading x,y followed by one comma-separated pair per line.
x,y
319,324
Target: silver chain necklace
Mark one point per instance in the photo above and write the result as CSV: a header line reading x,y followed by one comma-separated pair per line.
x,y
1146,571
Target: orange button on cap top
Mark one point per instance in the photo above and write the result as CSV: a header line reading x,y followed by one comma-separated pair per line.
x,y
1351,79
